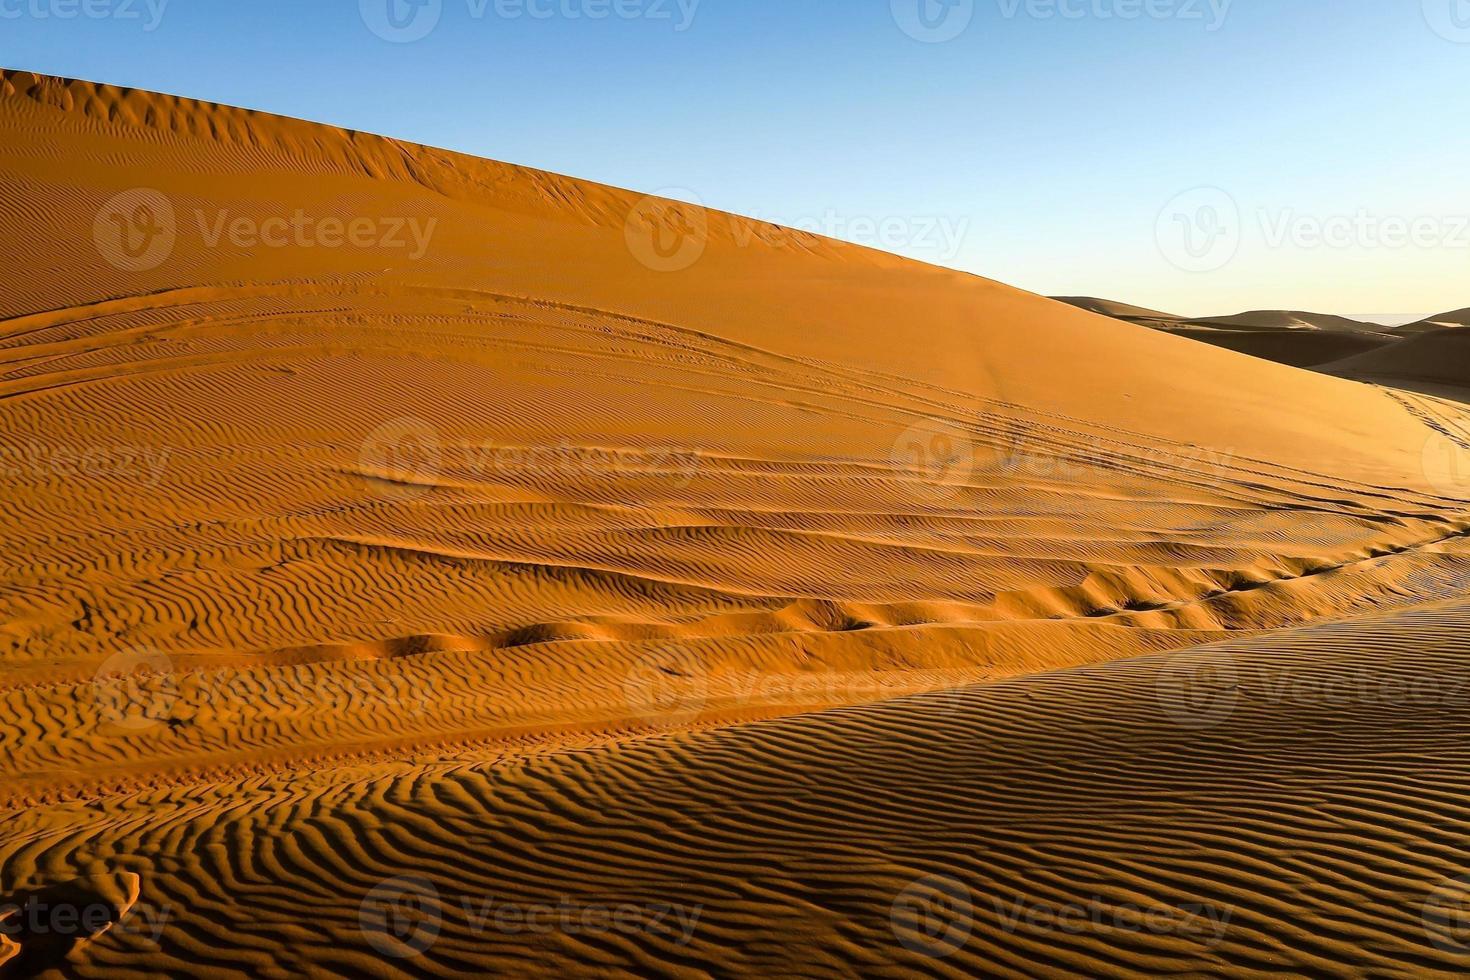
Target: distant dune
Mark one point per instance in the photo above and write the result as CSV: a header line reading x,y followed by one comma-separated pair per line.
x,y
1458,318
1286,320
1257,320
1124,311
1299,348
1441,357
421,565
1299,339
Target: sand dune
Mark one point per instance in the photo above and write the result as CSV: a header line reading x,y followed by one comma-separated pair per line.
x,y
1298,348
1287,320
392,530
1291,806
1444,321
1254,320
1441,358
1140,315
1294,338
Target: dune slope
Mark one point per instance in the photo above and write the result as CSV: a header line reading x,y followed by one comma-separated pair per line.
x,y
1286,337
1442,356
377,511
1287,320
1298,348
1293,806
1443,321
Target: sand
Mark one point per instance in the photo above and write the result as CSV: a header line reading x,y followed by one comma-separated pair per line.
x,y
1141,315
1297,320
1292,337
1443,321
417,564
1435,363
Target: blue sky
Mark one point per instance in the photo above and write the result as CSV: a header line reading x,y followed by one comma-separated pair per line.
x,y
1199,156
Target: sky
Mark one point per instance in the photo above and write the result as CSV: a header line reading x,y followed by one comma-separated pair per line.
x,y
1200,157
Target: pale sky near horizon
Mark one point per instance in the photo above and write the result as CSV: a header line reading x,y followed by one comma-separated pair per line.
x,y
1196,156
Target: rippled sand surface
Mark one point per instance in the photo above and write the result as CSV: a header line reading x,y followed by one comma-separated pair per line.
x,y
415,564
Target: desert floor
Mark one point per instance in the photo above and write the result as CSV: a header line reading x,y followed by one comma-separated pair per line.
x,y
415,564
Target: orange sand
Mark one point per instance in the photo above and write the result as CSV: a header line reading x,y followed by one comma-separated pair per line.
x,y
397,533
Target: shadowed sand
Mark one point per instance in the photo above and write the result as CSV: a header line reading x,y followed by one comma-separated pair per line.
x,y
1286,337
1435,362
1331,344
388,528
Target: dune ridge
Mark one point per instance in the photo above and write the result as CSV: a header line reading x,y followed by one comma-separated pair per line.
x,y
1439,356
1295,338
1442,321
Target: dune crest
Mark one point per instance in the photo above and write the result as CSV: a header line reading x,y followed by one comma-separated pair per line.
x,y
1298,339
1442,321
